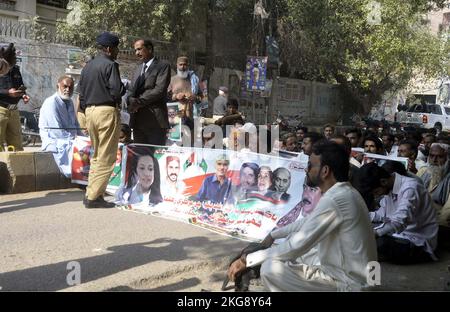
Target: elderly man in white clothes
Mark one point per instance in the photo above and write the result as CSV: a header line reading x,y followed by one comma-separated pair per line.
x,y
339,226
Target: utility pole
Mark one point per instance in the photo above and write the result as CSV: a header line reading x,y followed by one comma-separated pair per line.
x,y
258,42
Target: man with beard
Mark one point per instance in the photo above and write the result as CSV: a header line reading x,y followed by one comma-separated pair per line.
x,y
311,193
328,131
339,226
424,149
436,177
184,88
58,124
171,186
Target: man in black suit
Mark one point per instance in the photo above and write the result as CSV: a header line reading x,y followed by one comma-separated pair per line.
x,y
147,103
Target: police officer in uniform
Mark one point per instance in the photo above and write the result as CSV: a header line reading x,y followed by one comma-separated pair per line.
x,y
101,92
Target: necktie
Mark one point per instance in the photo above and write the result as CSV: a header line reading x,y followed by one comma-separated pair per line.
x,y
143,69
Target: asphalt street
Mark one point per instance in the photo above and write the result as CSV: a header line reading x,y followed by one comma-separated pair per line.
x,y
42,232
46,236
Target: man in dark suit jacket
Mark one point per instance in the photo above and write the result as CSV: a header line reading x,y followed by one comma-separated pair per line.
x,y
147,102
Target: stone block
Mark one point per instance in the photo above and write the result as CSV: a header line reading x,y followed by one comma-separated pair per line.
x,y
4,178
20,175
47,172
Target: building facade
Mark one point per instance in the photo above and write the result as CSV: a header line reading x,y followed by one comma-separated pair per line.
x,y
47,11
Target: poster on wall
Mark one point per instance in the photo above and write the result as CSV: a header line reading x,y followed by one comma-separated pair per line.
x,y
256,73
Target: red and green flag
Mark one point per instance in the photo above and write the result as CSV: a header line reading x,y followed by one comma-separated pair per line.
x,y
189,161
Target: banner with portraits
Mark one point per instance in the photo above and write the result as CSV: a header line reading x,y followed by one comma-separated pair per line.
x,y
243,195
81,163
364,158
239,194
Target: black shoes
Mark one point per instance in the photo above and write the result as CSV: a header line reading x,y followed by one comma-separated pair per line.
x,y
97,203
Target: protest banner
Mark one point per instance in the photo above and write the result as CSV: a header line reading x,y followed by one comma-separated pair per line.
x,y
238,194
82,154
81,162
381,159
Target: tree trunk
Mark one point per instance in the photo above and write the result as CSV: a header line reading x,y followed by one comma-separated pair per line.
x,y
209,41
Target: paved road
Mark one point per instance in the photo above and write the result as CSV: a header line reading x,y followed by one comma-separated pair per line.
x,y
42,232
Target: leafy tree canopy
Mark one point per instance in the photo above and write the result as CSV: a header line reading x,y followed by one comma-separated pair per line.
x,y
368,51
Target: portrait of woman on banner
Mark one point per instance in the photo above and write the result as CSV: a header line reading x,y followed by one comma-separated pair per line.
x,y
142,179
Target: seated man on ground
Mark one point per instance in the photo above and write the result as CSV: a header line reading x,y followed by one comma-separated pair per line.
x,y
409,149
436,178
405,223
58,125
231,117
339,226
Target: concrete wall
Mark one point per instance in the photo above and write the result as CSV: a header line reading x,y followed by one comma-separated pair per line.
x,y
317,102
41,64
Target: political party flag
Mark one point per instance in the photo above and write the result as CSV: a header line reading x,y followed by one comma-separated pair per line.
x,y
203,165
189,161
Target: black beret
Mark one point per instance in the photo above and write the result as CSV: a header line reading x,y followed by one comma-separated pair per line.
x,y
107,39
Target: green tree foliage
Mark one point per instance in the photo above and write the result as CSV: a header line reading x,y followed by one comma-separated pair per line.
x,y
336,41
129,19
323,40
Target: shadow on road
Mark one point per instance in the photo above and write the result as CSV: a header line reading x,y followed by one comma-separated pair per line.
x,y
47,200
186,283
53,277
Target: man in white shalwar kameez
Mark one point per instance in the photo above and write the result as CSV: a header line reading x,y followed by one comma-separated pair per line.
x,y
58,125
339,226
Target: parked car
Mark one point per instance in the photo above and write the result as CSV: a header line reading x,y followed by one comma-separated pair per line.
x,y
426,116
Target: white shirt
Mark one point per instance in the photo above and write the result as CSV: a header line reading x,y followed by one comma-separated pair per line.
x,y
394,151
169,189
135,196
148,65
340,227
421,156
419,163
410,211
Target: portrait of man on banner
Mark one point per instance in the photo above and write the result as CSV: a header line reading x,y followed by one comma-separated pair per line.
x,y
174,133
171,185
217,187
142,178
